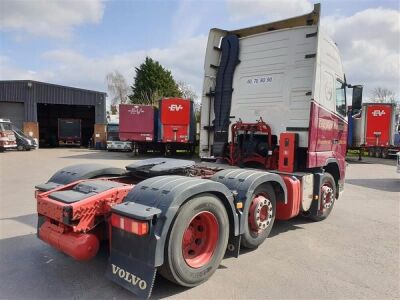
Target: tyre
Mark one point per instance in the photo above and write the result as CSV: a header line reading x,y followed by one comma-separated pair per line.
x,y
378,153
259,216
371,152
2,149
385,153
328,192
196,242
142,149
20,148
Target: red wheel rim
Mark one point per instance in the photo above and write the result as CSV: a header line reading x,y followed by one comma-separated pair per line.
x,y
327,196
200,239
260,213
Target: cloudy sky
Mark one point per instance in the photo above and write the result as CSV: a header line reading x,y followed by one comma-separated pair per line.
x,y
77,42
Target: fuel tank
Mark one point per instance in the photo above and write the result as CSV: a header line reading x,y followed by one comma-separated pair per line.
x,y
80,246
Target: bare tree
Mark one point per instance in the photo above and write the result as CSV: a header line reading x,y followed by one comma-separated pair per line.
x,y
187,91
117,87
384,95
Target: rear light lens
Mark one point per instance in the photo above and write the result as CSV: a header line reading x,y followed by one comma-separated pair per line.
x,y
130,225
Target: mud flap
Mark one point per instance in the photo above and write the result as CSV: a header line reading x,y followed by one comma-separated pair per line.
x,y
132,274
316,203
233,248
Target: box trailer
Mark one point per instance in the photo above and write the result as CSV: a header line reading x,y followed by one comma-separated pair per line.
x,y
180,218
137,123
374,129
69,132
177,127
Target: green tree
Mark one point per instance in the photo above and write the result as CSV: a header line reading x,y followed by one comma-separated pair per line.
x,y
152,82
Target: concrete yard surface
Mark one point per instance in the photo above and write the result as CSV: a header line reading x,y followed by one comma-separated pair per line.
x,y
353,254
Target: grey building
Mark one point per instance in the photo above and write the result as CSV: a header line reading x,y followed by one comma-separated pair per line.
x,y
36,107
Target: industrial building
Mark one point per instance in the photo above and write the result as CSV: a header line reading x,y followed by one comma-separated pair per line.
x,y
35,107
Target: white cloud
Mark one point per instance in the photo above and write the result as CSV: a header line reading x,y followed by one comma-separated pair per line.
x,y
184,59
55,18
267,9
369,42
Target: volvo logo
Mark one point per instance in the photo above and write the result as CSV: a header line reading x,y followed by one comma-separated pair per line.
x,y
128,277
175,107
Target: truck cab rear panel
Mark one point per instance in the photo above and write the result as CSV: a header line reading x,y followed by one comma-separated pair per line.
x,y
288,74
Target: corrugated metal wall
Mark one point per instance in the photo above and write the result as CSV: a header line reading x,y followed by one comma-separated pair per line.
x,y
33,92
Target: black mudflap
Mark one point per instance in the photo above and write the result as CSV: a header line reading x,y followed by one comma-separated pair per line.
x,y
132,274
316,203
233,248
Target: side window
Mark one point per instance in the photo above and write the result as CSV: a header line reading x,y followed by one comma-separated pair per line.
x,y
340,98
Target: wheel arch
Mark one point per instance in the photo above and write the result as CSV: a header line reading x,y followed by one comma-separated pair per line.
x,y
78,172
244,182
168,193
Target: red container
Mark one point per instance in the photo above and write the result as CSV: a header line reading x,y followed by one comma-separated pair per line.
x,y
136,122
379,123
176,120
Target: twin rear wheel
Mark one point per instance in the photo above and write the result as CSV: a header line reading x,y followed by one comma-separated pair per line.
x,y
197,241
199,236
259,216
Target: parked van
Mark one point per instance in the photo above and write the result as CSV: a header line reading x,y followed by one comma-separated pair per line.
x,y
7,137
24,142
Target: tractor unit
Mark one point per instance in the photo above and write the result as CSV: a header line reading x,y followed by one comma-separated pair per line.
x,y
274,97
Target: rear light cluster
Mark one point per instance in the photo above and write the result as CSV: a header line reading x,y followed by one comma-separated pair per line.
x,y
130,225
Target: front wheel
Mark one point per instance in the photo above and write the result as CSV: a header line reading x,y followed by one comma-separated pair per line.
x,y
197,241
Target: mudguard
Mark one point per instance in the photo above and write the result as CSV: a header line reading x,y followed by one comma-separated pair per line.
x,y
243,183
157,199
77,172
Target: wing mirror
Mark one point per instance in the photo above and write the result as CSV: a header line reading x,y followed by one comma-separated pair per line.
x,y
356,100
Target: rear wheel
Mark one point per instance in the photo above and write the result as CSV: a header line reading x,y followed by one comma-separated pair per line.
x,y
197,241
259,216
327,194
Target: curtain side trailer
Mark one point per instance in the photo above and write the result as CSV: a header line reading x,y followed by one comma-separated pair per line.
x,y
273,95
375,129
